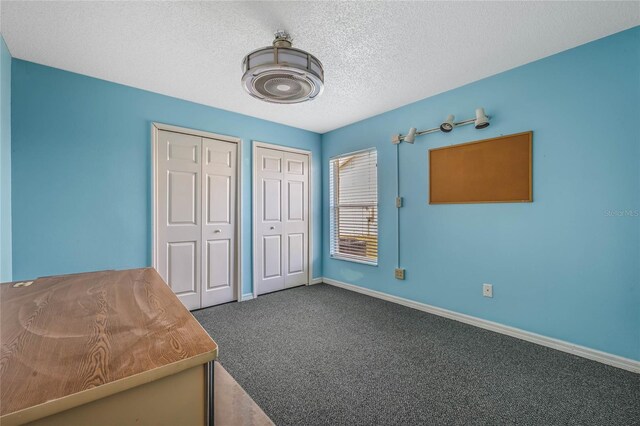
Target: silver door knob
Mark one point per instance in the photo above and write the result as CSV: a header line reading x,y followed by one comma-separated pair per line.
x,y
216,231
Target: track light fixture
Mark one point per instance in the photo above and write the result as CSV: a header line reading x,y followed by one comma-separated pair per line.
x,y
480,122
447,124
411,136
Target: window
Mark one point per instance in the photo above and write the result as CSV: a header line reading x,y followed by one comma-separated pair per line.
x,y
353,182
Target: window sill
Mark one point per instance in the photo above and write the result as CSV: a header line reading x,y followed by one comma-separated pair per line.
x,y
354,260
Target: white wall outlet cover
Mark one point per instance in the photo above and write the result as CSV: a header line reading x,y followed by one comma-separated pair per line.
x,y
487,290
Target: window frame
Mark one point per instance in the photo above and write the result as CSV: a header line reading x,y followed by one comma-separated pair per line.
x,y
333,253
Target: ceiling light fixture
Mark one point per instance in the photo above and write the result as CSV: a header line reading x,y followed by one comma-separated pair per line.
x,y
281,74
480,122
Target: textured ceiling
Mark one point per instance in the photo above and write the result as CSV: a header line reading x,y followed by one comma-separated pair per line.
x,y
377,55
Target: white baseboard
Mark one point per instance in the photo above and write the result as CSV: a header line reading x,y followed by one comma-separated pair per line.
x,y
246,296
561,345
316,281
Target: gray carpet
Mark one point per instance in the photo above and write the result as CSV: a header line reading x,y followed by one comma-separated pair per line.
x,y
321,355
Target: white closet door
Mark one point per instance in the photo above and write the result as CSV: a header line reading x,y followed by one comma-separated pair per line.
x,y
281,219
269,221
178,214
218,221
296,224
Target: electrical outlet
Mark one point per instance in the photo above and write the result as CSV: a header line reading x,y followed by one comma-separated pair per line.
x,y
399,273
487,290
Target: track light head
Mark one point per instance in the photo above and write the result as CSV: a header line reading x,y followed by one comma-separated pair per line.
x,y
447,125
482,120
411,136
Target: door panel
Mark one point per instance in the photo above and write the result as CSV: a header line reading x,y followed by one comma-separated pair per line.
x,y
271,193
178,150
219,199
281,221
178,214
296,253
219,157
295,167
272,248
182,267
271,161
218,261
182,197
219,230
296,201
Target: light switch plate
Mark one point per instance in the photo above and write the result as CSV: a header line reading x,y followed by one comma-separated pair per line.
x,y
399,273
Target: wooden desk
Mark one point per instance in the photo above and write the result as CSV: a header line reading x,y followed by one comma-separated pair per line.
x,y
102,348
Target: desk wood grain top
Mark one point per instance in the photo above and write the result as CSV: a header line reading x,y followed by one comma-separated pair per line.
x,y
100,331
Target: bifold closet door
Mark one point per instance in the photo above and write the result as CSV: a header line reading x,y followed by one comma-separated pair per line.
x,y
296,219
178,214
281,219
218,223
196,217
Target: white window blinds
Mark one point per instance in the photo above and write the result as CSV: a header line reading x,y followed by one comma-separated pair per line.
x,y
353,183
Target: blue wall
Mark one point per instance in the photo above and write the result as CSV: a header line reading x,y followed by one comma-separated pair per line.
x,y
565,266
5,162
82,170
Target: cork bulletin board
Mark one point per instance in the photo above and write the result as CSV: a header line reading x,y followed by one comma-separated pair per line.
x,y
497,170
